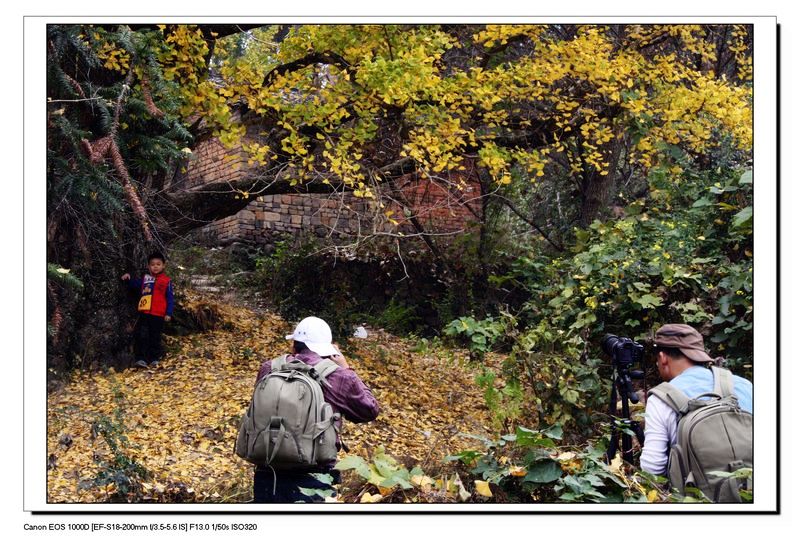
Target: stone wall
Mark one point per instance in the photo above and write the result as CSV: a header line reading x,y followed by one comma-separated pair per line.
x,y
212,162
338,215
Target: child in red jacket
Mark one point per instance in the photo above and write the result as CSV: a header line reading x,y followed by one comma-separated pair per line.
x,y
155,307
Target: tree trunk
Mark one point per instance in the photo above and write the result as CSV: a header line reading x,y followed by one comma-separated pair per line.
x,y
596,189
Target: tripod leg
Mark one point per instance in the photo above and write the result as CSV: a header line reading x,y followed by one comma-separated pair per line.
x,y
613,445
637,428
627,447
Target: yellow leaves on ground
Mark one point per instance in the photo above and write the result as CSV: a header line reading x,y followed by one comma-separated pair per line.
x,y
482,488
427,400
181,419
371,498
422,481
569,461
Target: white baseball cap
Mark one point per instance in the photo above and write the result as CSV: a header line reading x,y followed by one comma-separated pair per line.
x,y
316,334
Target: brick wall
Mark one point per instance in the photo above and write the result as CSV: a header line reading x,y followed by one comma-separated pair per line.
x,y
335,215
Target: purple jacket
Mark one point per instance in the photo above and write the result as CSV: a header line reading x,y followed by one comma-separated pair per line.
x,y
346,393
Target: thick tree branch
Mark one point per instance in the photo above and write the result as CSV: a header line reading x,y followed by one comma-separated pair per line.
x,y
308,60
522,216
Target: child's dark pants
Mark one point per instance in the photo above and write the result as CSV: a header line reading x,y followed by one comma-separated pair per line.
x,y
147,337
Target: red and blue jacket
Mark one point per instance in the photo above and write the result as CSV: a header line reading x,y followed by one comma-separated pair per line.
x,y
155,293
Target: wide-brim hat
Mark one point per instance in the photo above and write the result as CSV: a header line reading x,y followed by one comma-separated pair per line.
x,y
316,335
684,338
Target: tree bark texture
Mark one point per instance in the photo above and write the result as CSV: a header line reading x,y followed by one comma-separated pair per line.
x,y
596,189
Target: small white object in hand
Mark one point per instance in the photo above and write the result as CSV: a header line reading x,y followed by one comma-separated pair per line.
x,y
360,333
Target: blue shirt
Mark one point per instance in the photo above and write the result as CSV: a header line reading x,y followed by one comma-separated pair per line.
x,y
699,380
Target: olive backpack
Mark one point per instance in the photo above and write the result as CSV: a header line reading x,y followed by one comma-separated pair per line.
x,y
714,435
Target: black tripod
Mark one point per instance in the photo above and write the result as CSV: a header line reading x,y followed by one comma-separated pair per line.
x,y
623,387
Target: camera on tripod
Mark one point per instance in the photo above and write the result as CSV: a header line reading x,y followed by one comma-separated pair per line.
x,y
624,353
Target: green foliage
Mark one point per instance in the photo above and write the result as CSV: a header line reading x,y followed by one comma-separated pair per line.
x,y
529,466
323,493
480,336
300,278
297,277
63,276
687,257
505,402
682,254
399,317
383,471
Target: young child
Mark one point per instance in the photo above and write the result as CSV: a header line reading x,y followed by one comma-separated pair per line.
x,y
155,307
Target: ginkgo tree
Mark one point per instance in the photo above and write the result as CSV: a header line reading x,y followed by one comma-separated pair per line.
x,y
359,105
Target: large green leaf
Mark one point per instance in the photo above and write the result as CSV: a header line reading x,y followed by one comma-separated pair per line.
x,y
532,438
647,301
545,471
555,431
744,219
355,463
746,178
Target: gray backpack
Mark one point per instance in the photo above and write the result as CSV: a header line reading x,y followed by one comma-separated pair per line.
x,y
289,425
714,435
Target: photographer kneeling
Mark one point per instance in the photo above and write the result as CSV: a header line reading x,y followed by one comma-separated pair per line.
x,y
699,420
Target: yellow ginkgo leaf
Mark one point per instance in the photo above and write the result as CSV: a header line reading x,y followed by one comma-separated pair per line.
x,y
482,488
371,498
421,480
652,496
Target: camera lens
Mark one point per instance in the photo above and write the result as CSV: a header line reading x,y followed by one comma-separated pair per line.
x,y
609,343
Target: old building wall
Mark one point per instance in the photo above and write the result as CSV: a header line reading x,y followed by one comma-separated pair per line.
x,y
340,215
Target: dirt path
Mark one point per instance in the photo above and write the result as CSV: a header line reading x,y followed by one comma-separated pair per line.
x,y
180,420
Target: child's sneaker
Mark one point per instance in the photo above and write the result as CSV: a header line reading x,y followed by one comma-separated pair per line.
x,y
154,363
140,364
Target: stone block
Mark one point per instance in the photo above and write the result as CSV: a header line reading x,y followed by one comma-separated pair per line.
x,y
272,217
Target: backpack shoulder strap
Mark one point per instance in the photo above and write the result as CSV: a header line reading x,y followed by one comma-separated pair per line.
x,y
280,362
670,395
325,368
723,382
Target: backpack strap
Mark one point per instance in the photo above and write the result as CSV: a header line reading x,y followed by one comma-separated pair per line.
x,y
674,398
276,427
723,382
324,368
280,362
